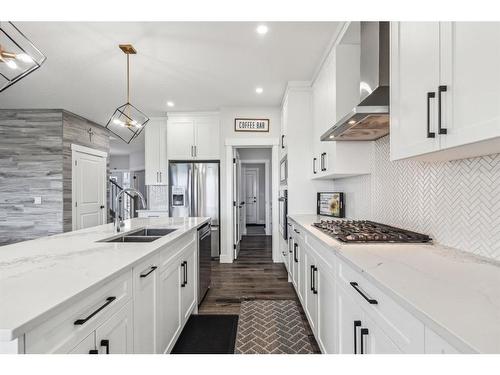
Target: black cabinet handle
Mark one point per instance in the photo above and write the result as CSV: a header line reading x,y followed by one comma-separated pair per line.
x,y
185,273
105,343
151,269
441,89
364,332
357,323
430,95
312,278
282,141
314,165
80,322
183,266
289,243
296,231
295,247
93,351
371,301
315,272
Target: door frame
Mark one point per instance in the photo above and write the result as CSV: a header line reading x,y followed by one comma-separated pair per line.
x,y
90,151
230,144
267,185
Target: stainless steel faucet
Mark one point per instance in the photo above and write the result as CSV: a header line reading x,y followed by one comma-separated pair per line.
x,y
119,218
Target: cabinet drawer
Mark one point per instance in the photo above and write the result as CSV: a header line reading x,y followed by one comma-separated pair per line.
x,y
172,250
60,334
399,325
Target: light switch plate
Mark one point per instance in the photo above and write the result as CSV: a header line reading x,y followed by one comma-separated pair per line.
x,y
37,200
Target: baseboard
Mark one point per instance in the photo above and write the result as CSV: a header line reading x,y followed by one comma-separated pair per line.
x,y
256,225
226,259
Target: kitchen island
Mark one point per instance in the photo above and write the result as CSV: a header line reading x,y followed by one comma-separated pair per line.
x,y
400,298
57,291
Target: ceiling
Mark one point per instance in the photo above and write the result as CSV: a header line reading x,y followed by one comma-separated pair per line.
x,y
197,65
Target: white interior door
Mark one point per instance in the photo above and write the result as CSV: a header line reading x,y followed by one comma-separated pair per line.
x,y
89,190
237,201
252,194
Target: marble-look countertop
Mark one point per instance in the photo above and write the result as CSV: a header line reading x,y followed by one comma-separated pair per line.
x,y
38,276
456,294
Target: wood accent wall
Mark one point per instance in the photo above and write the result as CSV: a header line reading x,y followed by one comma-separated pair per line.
x,y
35,160
30,165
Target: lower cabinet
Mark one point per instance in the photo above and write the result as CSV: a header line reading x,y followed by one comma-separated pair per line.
x,y
169,307
115,336
189,282
311,290
327,330
86,346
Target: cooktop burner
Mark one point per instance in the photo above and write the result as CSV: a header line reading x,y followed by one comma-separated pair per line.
x,y
368,231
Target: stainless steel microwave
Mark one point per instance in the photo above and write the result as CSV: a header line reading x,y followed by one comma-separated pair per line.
x,y
283,171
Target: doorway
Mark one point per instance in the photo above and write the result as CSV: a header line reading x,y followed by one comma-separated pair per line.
x,y
88,187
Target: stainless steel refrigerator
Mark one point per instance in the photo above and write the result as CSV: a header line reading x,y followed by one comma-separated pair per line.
x,y
194,191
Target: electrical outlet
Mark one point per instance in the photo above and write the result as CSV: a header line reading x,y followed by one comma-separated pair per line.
x,y
37,200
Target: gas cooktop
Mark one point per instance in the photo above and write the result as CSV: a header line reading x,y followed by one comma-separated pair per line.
x,y
368,231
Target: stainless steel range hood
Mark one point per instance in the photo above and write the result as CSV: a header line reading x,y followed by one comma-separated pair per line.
x,y
369,120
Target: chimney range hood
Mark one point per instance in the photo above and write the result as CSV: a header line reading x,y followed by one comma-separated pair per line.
x,y
369,120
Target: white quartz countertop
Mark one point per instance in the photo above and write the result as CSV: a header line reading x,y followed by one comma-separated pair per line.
x,y
454,293
41,275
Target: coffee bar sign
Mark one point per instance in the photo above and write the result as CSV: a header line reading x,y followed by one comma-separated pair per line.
x,y
251,125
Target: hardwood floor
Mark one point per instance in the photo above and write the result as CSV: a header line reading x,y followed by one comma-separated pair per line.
x,y
252,276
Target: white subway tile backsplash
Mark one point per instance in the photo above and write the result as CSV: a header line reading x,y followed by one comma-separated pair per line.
x,y
457,202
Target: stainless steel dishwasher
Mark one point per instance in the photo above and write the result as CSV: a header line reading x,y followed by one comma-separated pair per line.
x,y
204,260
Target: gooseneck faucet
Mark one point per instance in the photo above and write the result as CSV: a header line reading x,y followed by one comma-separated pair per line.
x,y
119,219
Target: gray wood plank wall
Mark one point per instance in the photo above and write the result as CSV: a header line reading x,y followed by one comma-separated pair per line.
x,y
35,160
30,165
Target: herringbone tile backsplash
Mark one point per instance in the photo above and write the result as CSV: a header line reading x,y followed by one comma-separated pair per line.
x,y
457,202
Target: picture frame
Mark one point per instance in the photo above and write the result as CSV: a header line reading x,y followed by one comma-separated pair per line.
x,y
331,204
252,125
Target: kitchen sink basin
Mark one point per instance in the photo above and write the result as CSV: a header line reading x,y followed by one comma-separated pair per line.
x,y
133,239
155,232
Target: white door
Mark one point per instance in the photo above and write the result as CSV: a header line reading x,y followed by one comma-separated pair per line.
x,y
206,138
188,284
471,74
415,56
251,195
236,203
89,190
180,139
146,293
170,312
115,336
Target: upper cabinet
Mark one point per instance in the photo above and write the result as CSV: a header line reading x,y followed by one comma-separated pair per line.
x,y
193,137
155,160
335,92
445,89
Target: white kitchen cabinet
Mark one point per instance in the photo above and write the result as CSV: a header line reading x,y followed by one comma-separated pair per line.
x,y
169,306
146,296
373,340
193,137
115,336
445,90
155,159
189,284
434,344
311,289
349,319
327,330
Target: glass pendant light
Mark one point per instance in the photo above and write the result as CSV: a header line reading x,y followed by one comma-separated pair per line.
x,y
127,121
18,55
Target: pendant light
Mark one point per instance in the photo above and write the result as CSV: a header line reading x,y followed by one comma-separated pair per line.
x,y
127,121
18,55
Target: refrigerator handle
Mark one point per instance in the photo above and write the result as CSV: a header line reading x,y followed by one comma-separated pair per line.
x,y
194,205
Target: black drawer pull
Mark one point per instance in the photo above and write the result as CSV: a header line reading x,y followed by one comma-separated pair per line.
x,y
282,141
93,351
185,273
312,278
80,322
183,266
296,231
430,95
441,89
149,272
315,272
105,343
371,301
357,323
296,246
364,332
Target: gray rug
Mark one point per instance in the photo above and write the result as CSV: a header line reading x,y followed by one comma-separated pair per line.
x,y
271,327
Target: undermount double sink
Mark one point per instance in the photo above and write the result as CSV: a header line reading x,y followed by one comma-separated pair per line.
x,y
141,235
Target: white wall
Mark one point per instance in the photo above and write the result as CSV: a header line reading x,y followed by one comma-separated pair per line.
x,y
120,162
227,116
136,160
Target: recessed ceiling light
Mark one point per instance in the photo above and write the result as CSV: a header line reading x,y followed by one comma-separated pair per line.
x,y
262,29
259,90
170,104
352,122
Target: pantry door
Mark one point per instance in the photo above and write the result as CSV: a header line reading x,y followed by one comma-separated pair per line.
x,y
88,187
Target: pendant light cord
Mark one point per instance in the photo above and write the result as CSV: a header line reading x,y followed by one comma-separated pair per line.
x,y
128,79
